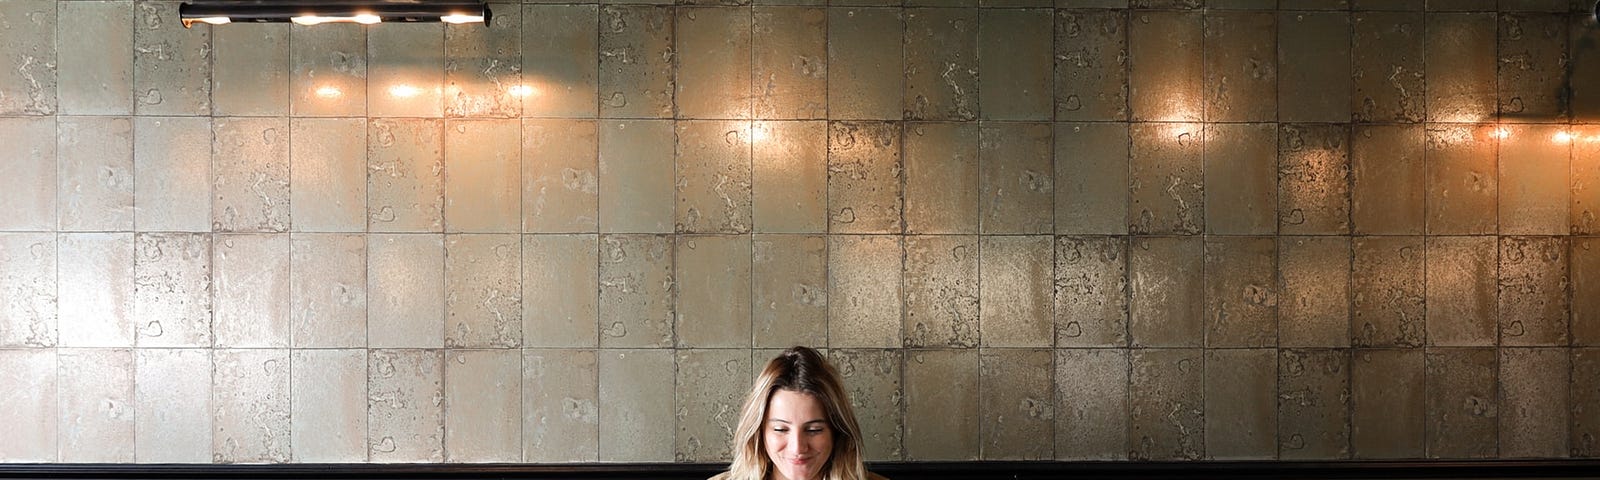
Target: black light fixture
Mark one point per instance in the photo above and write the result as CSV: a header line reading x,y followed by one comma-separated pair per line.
x,y
312,12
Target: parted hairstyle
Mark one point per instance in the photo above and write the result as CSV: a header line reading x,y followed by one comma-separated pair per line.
x,y
800,370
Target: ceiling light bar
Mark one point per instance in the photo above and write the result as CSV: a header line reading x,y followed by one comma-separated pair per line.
x,y
312,12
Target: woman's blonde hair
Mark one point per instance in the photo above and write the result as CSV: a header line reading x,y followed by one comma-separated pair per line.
x,y
801,370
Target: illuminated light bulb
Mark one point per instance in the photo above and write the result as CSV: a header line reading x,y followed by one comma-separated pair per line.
x,y
367,19
522,91
329,92
459,18
364,19
215,20
1561,137
404,91
309,20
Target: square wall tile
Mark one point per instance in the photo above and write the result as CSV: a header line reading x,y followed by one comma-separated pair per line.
x,y
1535,180
483,405
1015,76
1314,68
1585,209
713,55
250,406
1585,391
560,182
1314,404
1534,393
636,178
713,176
327,187
405,406
864,177
1388,294
1314,179
873,381
1091,178
638,298
941,291
95,289
171,64
1462,179
1462,409
1167,285
560,285
711,386
1016,307
483,175
1462,291
789,49
941,177
1166,389
405,290
1532,58
1091,291
1241,173
172,173
328,407
1387,406
941,405
96,405
95,160
482,64
560,60
94,57
483,291
405,175
172,298
1166,80
1241,62
1241,415
1585,102
789,177
941,62
31,429
789,290
713,275
1534,307
328,291
29,174
405,69
1017,404
1241,291
639,84
250,175
328,70
1167,188
1461,84
1016,178
1091,404
1387,171
172,405
28,275
560,405
1091,70
1314,291
864,291
865,83
1584,261
250,70
1388,71
635,418
250,287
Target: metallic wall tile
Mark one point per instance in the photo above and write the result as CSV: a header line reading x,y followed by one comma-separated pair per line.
x,y
483,66
713,55
1240,63
560,405
1091,178
1017,402
327,191
789,48
865,177
405,175
405,289
250,287
1387,171
789,177
405,406
636,176
250,175
1387,411
635,422
96,405
874,381
172,405
1015,67
1092,404
1167,187
328,70
1016,307
941,291
1461,79
250,406
1314,291
1585,208
328,405
1241,414
483,405
1165,82
1585,71
250,70
560,185
941,177
713,275
711,388
1461,177
1534,412
172,298
789,283
1241,291
1314,404
638,292
1534,309
1585,388
1461,287
941,404
328,291
865,83
1313,179
172,173
713,176
94,57
1388,70
1166,388
95,289
171,64
482,175
1167,293
1091,291
405,70
1532,73
560,60
1091,71
1241,178
1535,182
865,291
560,285
482,291
1388,292
95,175
1462,408
1314,66
29,175
636,61
1016,178
29,276
941,62
31,428
1584,259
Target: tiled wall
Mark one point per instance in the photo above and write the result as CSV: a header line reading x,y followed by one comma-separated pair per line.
x,y
1303,229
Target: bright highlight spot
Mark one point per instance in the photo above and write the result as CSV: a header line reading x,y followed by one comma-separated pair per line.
x,y
329,92
522,90
758,133
1501,133
215,20
364,19
459,18
1562,137
404,91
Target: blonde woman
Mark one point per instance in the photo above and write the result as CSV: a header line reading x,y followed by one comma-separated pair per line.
x,y
797,424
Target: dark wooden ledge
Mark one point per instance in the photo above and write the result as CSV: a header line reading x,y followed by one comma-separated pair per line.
x,y
1374,470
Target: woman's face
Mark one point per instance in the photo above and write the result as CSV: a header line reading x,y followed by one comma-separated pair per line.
x,y
797,435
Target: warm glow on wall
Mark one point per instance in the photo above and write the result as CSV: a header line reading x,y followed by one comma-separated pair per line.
x,y
522,91
1561,137
329,92
1501,133
404,91
758,133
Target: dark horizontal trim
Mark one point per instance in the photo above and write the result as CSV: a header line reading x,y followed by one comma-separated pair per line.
x,y
1404,469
